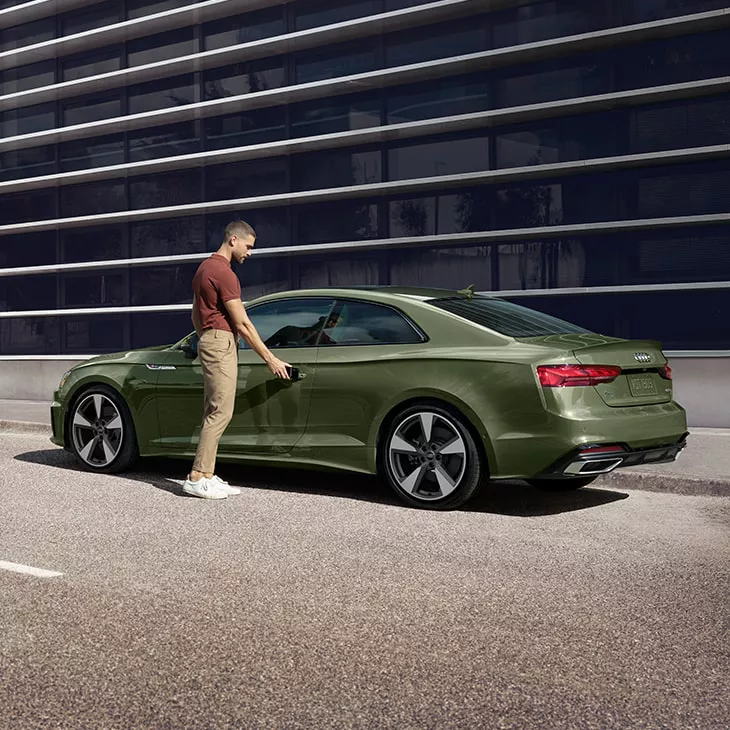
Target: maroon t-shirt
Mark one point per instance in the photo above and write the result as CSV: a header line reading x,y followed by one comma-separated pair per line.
x,y
214,283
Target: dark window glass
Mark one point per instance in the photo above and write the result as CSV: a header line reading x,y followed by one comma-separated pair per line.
x,y
92,109
506,317
354,269
438,98
30,336
142,8
91,63
98,289
325,12
29,162
177,91
265,276
244,28
107,243
162,46
271,226
23,293
400,4
27,34
454,38
28,249
172,188
246,127
443,157
340,114
92,198
362,323
96,16
344,59
244,78
350,220
149,329
28,207
162,284
171,237
27,120
448,267
290,322
559,140
336,168
95,152
94,333
246,179
167,141
23,78
646,10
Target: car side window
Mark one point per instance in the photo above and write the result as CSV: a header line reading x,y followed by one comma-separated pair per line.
x,y
363,323
289,322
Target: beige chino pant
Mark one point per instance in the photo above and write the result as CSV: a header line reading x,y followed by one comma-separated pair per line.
x,y
218,355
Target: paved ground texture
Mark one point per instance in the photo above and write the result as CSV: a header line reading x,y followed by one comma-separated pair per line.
x,y
316,601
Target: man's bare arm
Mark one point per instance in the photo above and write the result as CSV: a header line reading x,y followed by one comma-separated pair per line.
x,y
196,316
245,327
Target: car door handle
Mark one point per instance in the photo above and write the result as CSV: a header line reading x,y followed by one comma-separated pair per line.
x,y
295,374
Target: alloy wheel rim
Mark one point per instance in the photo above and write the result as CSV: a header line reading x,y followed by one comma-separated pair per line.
x,y
427,456
97,430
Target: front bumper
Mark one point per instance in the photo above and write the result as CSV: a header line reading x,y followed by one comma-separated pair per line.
x,y
57,430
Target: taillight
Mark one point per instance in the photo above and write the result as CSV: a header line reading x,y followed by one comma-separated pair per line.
x,y
561,376
666,372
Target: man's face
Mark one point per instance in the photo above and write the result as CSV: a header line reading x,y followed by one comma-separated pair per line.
x,y
242,247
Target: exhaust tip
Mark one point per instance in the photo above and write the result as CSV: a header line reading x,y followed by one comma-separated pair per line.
x,y
585,467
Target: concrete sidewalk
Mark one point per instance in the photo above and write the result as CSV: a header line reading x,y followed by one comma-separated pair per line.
x,y
702,468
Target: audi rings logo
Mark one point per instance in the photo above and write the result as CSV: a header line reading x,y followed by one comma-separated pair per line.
x,y
642,357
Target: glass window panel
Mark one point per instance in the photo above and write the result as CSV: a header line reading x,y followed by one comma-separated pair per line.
x,y
95,152
98,289
27,207
443,157
362,323
244,28
162,46
244,78
94,333
91,64
174,236
246,179
448,267
92,198
162,284
92,109
142,8
28,120
167,141
27,34
172,188
459,212
28,249
96,16
326,116
30,336
325,12
265,276
413,217
23,78
23,293
336,168
30,162
349,220
646,10
105,243
177,91
353,269
343,59
529,206
454,38
400,4
271,225
149,329
438,98
244,128
291,322
549,264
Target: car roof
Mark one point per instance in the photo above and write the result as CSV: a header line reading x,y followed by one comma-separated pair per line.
x,y
359,291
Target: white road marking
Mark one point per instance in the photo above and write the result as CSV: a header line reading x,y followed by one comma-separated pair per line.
x,y
28,570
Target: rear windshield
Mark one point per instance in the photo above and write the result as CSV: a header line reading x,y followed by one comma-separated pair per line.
x,y
506,318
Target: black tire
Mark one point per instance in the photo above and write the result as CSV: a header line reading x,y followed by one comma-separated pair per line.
x,y
560,485
441,481
112,431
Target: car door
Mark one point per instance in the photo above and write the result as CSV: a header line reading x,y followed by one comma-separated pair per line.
x,y
270,414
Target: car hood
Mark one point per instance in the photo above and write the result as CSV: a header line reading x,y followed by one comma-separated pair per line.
x,y
128,356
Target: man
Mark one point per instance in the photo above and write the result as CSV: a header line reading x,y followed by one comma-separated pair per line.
x,y
218,317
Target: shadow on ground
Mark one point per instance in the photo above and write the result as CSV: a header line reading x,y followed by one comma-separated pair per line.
x,y
513,498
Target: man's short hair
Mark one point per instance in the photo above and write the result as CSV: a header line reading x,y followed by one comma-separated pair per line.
x,y
240,229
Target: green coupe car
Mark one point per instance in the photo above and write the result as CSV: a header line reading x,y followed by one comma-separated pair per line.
x,y
435,391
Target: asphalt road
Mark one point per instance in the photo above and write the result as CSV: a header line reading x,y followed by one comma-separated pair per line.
x,y
314,601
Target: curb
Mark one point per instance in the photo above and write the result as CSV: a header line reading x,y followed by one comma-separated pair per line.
x,y
7,426
666,483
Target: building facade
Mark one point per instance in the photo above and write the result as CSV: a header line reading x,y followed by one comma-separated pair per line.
x,y
570,155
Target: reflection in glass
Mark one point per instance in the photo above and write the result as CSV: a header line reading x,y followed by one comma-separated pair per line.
x,y
30,336
448,267
245,179
248,77
244,28
29,162
167,141
326,116
160,47
167,237
336,168
94,333
92,198
162,284
171,188
176,91
331,62
94,290
105,243
430,159
91,64
348,220
27,120
454,38
325,12
32,76
23,293
91,109
95,152
353,269
245,128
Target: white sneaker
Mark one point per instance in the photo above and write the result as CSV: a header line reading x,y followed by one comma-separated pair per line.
x,y
203,488
224,486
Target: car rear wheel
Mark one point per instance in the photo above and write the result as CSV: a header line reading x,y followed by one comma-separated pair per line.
x,y
560,485
430,459
101,431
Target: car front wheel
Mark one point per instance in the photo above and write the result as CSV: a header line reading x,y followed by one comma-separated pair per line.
x,y
430,459
101,432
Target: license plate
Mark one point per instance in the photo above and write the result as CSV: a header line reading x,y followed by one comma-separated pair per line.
x,y
641,385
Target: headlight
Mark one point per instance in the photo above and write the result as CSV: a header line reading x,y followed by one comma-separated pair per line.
x,y
64,378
